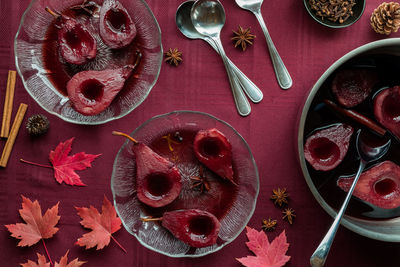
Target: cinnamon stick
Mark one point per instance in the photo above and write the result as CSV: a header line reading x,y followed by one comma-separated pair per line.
x,y
356,117
13,134
8,104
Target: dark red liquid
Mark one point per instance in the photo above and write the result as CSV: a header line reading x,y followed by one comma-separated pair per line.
x,y
324,149
218,200
60,72
158,184
321,115
385,187
201,225
210,147
117,20
92,89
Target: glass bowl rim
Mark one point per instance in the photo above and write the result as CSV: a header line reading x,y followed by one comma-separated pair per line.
x,y
253,162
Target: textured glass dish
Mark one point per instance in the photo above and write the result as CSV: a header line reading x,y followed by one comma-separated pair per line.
x,y
385,56
41,81
234,207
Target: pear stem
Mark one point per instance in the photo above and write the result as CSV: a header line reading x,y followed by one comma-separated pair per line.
x,y
125,135
51,12
150,219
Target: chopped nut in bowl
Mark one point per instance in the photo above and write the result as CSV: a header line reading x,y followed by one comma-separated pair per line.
x,y
335,13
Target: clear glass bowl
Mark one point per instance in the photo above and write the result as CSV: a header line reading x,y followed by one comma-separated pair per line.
x,y
235,209
42,79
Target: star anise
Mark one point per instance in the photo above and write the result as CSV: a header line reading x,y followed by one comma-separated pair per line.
x,y
200,182
268,225
173,56
243,38
280,196
289,215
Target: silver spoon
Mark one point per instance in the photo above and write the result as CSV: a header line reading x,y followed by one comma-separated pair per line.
x,y
185,25
367,153
208,18
282,74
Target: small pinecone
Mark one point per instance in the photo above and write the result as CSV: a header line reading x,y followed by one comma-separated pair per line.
x,y
386,18
37,124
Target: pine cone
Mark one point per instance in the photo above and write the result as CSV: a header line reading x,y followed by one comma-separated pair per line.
x,y
37,124
386,18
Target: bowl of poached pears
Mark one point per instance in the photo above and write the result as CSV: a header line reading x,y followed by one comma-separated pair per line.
x,y
88,62
361,90
185,184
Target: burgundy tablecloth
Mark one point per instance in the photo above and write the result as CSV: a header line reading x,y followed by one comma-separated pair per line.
x,y
199,83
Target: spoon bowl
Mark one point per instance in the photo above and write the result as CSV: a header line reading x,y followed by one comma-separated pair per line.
x,y
208,17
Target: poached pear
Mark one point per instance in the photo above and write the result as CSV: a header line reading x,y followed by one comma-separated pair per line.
x,y
91,92
380,185
158,181
197,228
214,150
76,44
117,29
325,148
387,109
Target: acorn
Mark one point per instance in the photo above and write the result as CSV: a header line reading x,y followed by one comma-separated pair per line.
x,y
37,124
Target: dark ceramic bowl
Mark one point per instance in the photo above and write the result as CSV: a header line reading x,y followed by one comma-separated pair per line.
x,y
358,10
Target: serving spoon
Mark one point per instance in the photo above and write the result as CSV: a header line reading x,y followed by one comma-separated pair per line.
x,y
282,74
368,153
185,25
208,18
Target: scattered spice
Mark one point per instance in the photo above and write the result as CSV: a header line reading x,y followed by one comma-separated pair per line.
x,y
200,182
173,56
243,38
268,225
280,196
8,103
171,140
386,18
333,10
37,124
289,215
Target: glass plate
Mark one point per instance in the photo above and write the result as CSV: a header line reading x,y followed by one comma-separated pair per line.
x,y
233,205
42,79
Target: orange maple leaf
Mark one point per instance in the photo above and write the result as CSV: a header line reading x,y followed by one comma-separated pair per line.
x,y
63,262
102,225
37,227
267,254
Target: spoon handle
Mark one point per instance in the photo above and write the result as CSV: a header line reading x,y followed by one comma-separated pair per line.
x,y
321,253
251,90
282,74
242,105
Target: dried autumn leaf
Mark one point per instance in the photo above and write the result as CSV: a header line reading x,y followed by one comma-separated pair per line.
x,y
267,254
102,225
63,262
37,227
41,262
65,166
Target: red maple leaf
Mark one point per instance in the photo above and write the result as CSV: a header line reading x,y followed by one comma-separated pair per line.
x,y
65,166
63,262
37,227
102,225
267,254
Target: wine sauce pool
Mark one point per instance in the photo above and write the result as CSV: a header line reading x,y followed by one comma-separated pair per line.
x,y
320,115
222,194
59,72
